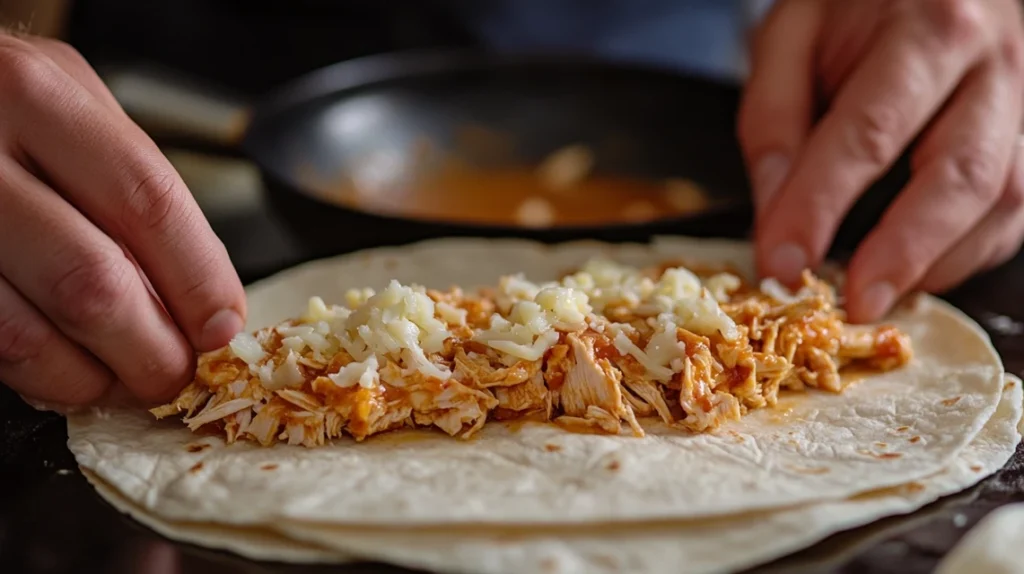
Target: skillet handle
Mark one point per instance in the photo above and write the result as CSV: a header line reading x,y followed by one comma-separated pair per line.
x,y
166,104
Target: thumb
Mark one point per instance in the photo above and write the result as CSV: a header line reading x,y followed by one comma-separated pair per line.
x,y
778,103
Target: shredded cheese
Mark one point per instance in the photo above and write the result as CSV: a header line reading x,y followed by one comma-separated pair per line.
x,y
247,348
403,325
364,373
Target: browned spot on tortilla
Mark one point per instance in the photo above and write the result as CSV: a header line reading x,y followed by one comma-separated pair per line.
x,y
737,436
196,447
270,466
915,439
951,402
613,465
793,442
902,429
608,561
881,445
549,565
196,467
811,469
880,455
390,263
976,467
552,447
914,487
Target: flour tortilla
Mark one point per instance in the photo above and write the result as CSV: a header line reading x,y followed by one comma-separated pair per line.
x,y
709,546
704,546
993,546
255,543
826,447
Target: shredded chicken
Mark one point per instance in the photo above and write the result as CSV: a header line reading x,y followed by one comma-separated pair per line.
x,y
590,353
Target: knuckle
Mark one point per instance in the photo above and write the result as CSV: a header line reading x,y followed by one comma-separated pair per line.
x,y
871,135
204,276
20,338
977,172
162,373
24,71
90,292
909,260
63,53
155,202
65,50
159,377
957,21
760,126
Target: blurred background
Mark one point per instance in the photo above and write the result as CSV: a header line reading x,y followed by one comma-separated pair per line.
x,y
238,51
243,48
422,117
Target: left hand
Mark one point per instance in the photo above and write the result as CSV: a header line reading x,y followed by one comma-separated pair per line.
x,y
946,73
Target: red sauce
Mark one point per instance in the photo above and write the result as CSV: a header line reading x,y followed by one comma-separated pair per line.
x,y
394,393
274,345
337,362
363,400
504,414
705,403
604,349
887,342
334,395
737,376
555,380
816,333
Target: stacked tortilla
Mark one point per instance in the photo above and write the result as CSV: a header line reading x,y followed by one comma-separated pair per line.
x,y
533,497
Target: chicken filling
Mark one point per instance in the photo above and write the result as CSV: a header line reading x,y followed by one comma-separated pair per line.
x,y
599,350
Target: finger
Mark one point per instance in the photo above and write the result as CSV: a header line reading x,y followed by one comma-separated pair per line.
x,y
778,102
75,65
37,361
960,168
887,99
996,238
113,172
80,279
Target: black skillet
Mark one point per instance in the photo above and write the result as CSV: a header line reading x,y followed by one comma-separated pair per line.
x,y
639,121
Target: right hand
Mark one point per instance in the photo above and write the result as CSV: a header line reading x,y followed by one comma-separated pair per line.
x,y
110,276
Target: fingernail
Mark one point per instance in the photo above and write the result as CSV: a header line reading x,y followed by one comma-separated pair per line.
x,y
876,300
769,173
219,329
787,262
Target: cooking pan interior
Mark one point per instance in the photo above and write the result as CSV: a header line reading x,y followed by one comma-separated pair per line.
x,y
331,140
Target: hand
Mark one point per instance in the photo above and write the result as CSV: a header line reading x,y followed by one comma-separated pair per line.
x,y
109,274
946,73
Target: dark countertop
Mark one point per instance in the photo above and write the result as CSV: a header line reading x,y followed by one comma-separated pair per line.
x,y
52,522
